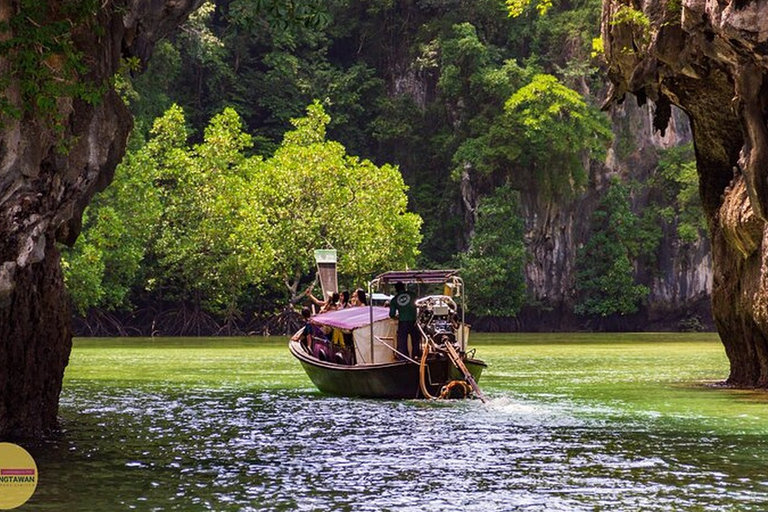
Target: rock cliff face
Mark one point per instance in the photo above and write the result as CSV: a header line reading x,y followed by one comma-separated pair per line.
x,y
51,164
710,59
681,282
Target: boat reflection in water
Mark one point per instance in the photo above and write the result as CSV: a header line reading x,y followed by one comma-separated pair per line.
x,y
353,351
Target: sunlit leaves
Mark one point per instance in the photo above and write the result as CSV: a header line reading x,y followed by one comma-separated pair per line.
x,y
598,47
208,222
202,44
636,21
317,196
518,7
558,129
197,248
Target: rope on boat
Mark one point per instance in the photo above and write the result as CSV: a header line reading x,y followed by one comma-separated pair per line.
x,y
456,359
393,349
445,391
467,386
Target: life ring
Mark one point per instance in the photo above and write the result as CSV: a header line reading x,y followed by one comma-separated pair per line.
x,y
447,390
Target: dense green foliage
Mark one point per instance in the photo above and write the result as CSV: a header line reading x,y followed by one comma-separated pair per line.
x,y
419,84
206,223
494,265
459,112
605,274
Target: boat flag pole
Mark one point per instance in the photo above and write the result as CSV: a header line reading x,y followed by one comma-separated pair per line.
x,y
326,270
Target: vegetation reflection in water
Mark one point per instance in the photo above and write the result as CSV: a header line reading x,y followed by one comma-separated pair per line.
x,y
575,422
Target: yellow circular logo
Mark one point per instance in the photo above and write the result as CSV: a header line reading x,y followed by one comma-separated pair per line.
x,y
18,476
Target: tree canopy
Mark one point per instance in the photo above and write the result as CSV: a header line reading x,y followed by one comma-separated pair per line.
x,y
467,124
206,222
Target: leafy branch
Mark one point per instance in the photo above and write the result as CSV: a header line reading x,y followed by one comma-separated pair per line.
x,y
44,63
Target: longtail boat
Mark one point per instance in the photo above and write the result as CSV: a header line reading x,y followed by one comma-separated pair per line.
x,y
353,351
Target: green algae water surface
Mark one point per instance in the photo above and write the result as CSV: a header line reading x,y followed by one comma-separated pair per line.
x,y
574,423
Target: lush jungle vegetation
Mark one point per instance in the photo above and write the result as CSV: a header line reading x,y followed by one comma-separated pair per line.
x,y
400,132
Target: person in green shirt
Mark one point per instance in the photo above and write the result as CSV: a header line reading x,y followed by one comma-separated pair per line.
x,y
402,307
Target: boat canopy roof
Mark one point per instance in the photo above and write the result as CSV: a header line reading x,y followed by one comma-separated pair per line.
x,y
417,276
351,318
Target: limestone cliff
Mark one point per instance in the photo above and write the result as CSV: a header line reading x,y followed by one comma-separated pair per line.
x,y
680,280
555,228
710,59
57,148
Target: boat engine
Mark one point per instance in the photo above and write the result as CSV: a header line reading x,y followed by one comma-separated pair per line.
x,y
437,317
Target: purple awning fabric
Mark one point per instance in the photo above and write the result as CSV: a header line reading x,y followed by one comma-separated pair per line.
x,y
351,318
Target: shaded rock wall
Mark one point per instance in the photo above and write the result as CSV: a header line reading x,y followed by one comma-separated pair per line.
x,y
556,229
51,164
710,59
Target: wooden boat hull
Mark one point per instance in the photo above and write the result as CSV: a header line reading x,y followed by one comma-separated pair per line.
x,y
388,380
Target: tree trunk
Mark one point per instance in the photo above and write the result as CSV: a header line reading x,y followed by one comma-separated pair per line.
x,y
56,151
709,60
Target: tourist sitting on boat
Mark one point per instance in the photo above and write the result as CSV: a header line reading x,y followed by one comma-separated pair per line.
x,y
332,304
344,300
403,309
358,298
304,335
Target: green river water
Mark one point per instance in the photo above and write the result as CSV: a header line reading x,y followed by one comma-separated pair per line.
x,y
574,422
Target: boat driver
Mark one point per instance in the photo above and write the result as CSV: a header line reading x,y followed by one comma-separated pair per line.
x,y
402,307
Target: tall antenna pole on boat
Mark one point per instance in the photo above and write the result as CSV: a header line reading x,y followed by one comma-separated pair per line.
x,y
370,312
459,287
